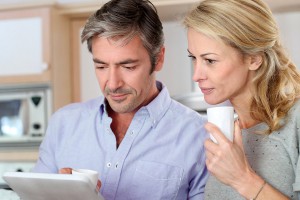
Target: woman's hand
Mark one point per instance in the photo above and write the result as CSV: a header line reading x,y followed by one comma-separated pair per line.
x,y
226,160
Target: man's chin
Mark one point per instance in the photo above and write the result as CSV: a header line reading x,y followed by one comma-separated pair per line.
x,y
119,109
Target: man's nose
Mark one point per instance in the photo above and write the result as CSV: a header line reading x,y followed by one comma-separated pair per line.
x,y
114,79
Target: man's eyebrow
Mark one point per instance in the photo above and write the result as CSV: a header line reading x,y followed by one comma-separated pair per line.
x,y
124,62
96,60
128,61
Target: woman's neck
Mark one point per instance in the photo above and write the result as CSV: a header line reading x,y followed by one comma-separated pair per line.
x,y
242,109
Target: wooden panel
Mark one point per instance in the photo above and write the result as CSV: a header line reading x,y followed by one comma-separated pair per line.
x,y
19,156
76,25
40,78
61,69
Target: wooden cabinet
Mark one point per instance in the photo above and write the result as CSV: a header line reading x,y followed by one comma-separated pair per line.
x,y
41,50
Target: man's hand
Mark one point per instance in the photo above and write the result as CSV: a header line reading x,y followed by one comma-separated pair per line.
x,y
69,171
65,171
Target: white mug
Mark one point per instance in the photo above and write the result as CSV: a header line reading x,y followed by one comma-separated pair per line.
x,y
90,174
223,118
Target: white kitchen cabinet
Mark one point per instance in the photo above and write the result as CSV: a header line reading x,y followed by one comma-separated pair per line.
x,y
35,47
25,43
22,40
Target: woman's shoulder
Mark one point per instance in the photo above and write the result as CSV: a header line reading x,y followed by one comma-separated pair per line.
x,y
292,121
295,110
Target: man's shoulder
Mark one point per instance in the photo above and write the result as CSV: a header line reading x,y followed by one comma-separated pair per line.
x,y
182,111
80,108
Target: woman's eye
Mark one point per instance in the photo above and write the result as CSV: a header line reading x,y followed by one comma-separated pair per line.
x,y
210,61
192,57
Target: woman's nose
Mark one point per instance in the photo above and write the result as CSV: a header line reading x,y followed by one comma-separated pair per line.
x,y
199,72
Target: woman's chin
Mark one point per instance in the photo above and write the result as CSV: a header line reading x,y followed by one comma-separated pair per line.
x,y
217,102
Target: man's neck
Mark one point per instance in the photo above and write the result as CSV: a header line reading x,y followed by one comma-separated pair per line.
x,y
120,124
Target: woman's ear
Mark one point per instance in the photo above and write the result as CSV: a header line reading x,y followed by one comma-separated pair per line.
x,y
160,59
255,62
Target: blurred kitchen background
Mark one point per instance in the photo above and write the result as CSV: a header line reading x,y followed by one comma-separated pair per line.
x,y
43,65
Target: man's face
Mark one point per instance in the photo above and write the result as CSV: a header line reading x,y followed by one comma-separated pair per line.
x,y
123,73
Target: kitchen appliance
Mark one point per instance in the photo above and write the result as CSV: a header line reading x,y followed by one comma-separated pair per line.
x,y
20,166
195,100
24,112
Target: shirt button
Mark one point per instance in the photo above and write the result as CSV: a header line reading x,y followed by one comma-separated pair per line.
x,y
117,164
108,165
132,132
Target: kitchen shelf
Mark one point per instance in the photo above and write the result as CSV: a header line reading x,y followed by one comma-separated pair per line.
x,y
21,79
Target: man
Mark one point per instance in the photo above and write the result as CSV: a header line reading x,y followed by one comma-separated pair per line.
x,y
143,144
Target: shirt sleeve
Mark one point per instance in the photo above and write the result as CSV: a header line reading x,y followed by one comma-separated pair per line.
x,y
198,183
46,160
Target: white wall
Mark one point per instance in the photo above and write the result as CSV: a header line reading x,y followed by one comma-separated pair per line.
x,y
289,24
89,86
177,71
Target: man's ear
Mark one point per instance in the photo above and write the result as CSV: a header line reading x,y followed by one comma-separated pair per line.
x,y
160,59
255,62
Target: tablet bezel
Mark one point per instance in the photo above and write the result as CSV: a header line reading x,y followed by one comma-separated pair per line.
x,y
44,186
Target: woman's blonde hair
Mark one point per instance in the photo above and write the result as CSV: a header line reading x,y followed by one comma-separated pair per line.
x,y
248,25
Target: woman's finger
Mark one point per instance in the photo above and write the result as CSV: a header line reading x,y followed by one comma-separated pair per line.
x,y
215,132
238,139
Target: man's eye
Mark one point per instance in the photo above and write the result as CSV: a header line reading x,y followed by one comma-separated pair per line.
x,y
129,67
100,66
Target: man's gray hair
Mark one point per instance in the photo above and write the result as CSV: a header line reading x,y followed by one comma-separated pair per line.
x,y
125,19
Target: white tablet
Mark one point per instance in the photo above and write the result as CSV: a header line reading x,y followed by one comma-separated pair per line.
x,y
42,186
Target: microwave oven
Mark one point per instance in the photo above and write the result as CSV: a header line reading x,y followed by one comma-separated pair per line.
x,y
24,112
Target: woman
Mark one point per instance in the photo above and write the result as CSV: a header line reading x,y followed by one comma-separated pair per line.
x,y
237,55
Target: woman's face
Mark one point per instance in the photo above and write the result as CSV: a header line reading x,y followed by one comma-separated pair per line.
x,y
221,71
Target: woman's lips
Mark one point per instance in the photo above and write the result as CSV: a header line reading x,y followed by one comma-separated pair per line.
x,y
206,90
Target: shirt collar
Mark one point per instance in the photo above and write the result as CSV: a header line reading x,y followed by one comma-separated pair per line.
x,y
158,106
